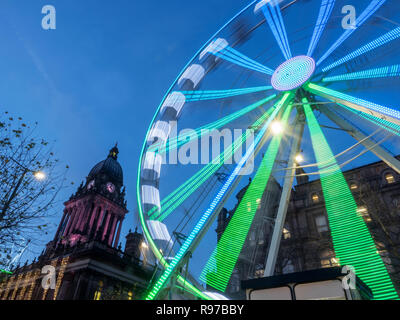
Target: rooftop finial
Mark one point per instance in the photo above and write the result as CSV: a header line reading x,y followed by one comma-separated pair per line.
x,y
114,152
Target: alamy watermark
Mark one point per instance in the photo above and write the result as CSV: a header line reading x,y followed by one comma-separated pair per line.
x,y
49,20
205,146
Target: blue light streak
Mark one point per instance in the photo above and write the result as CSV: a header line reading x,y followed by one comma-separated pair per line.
x,y
240,59
324,14
220,94
273,15
364,16
382,40
322,91
383,72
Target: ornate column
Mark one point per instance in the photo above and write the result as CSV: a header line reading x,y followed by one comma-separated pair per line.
x,y
76,219
85,216
118,232
106,226
112,233
95,212
61,225
71,215
102,213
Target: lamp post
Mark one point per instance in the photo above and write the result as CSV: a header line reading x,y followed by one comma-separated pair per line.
x,y
39,175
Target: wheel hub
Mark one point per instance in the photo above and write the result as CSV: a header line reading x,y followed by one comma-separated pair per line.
x,y
293,73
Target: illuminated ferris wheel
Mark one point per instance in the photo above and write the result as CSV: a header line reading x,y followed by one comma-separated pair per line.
x,y
289,85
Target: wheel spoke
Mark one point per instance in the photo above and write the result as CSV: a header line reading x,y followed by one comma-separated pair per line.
x,y
382,40
383,72
357,134
161,147
173,200
323,17
203,223
365,106
220,265
364,16
352,241
387,125
220,94
221,49
273,16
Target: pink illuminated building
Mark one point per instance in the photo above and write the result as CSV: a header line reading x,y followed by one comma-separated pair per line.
x,y
86,251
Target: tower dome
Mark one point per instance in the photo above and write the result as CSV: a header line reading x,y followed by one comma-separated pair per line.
x,y
109,167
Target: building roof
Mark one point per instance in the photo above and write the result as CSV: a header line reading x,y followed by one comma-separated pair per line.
x,y
109,167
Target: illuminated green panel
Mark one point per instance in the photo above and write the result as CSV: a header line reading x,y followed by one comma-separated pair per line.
x,y
199,132
220,265
174,199
352,241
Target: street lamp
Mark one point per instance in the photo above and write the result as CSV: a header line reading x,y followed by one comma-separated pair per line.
x,y
39,175
276,127
299,158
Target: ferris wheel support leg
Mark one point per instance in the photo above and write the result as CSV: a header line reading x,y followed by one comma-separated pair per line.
x,y
284,201
371,145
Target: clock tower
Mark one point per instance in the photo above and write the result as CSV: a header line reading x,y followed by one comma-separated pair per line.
x,y
97,210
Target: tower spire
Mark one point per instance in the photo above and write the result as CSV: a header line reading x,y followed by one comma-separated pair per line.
x,y
114,152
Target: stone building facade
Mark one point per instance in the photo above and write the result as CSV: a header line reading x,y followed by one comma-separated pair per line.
x,y
85,260
306,242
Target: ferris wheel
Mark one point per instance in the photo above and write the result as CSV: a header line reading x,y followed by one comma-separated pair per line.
x,y
289,85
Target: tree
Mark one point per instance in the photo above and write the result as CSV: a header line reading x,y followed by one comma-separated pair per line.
x,y
30,179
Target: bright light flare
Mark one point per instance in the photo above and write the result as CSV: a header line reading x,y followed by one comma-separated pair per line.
x,y
276,127
39,175
299,158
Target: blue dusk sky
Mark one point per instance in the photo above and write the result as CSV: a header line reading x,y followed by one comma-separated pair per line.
x,y
99,77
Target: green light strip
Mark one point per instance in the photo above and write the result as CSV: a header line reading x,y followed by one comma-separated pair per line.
x,y
5,271
207,217
340,97
220,265
174,199
146,232
160,148
352,241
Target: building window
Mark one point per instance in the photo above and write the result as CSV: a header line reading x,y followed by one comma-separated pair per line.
x,y
288,268
321,223
353,186
315,198
328,259
258,203
97,294
389,177
259,273
130,295
363,211
286,233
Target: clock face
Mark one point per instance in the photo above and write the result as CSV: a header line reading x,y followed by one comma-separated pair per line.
x,y
90,185
110,187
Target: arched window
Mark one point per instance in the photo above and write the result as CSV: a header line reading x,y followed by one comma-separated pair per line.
x,y
286,233
353,186
289,267
328,259
363,211
389,177
97,294
321,223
